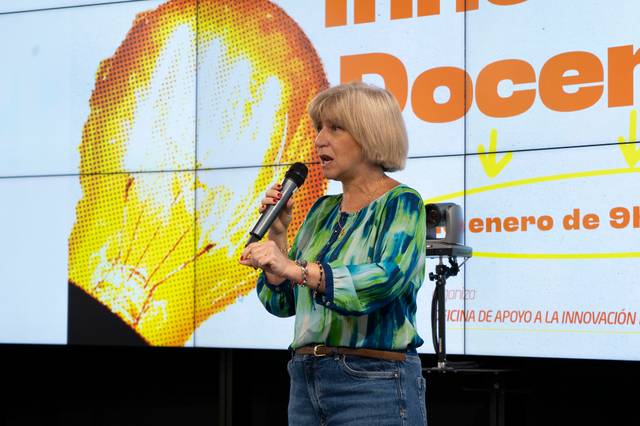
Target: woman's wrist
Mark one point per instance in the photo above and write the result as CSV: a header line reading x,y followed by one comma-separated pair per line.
x,y
274,279
309,275
280,239
293,272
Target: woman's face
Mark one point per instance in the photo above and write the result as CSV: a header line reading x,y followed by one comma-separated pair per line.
x,y
340,155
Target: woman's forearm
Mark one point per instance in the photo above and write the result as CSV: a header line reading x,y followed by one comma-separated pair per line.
x,y
281,241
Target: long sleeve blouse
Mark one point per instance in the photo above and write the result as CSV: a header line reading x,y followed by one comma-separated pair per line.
x,y
374,262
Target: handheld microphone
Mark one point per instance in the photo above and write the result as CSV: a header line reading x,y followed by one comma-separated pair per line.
x,y
293,179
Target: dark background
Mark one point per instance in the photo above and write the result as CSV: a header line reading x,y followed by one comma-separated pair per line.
x,y
110,385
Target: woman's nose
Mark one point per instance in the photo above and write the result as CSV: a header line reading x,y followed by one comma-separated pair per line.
x,y
320,139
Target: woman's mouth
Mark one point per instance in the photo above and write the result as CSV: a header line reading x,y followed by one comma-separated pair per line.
x,y
325,160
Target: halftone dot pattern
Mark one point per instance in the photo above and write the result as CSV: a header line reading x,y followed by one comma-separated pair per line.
x,y
132,249
145,88
137,238
262,35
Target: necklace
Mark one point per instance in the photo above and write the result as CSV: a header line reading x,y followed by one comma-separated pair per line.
x,y
339,229
341,223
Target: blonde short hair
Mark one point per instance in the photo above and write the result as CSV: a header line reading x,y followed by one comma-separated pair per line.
x,y
373,118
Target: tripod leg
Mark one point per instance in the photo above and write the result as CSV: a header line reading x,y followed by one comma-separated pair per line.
x,y
434,318
442,321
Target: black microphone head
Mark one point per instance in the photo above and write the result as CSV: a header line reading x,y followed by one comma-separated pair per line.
x,y
297,173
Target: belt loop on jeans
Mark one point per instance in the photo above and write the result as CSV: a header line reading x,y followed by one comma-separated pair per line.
x,y
321,350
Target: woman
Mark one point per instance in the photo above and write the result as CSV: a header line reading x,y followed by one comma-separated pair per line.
x,y
353,272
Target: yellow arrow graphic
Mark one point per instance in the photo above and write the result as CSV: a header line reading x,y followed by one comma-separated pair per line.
x,y
631,151
493,167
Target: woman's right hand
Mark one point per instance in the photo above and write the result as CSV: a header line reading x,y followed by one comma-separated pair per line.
x,y
280,224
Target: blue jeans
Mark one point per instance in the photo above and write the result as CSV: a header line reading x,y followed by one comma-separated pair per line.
x,y
350,390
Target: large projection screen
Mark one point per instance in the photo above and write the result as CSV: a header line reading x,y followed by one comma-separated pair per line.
x,y
138,137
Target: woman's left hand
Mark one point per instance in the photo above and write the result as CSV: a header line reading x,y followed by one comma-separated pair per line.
x,y
268,257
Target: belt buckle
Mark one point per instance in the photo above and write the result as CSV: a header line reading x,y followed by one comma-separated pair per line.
x,y
315,351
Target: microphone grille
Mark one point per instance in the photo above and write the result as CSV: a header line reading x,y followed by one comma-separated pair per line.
x,y
297,173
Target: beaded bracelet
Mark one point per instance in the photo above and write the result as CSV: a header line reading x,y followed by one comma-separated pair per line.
x,y
305,272
321,269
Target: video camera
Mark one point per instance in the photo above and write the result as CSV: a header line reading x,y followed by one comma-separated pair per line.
x,y
449,216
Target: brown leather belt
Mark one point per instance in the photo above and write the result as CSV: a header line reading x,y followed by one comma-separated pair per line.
x,y
322,350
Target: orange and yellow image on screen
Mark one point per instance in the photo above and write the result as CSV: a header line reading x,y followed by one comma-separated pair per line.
x,y
152,241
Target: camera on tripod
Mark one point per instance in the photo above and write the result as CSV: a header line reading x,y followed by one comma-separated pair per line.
x,y
449,216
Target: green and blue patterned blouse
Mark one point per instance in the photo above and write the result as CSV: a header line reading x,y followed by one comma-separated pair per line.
x,y
374,261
